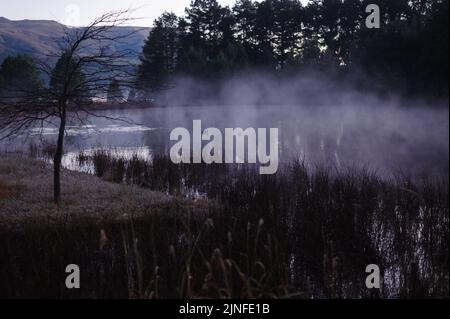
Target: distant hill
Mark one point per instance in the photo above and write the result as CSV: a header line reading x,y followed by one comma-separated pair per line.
x,y
40,37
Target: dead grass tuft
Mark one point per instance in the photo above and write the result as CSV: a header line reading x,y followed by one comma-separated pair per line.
x,y
10,190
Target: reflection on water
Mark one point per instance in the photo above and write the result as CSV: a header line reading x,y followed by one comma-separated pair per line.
x,y
73,160
386,138
89,130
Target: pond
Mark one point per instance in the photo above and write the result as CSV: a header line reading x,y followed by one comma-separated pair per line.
x,y
387,139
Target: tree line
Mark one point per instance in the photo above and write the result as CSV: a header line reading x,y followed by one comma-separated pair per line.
x,y
408,53
21,77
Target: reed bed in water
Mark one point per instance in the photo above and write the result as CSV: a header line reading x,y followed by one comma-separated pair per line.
x,y
300,233
332,224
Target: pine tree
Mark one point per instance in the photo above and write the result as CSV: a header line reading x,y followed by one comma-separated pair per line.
x,y
115,94
160,54
76,90
19,75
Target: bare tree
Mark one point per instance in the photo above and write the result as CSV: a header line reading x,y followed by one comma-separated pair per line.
x,y
86,64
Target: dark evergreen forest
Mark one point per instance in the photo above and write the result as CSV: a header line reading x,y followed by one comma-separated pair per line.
x,y
408,54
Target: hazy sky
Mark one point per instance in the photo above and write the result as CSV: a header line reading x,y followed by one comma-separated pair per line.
x,y
81,12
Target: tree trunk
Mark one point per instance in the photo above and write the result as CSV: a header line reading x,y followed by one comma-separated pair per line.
x,y
57,160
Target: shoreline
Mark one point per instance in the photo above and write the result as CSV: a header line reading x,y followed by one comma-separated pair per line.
x,y
26,193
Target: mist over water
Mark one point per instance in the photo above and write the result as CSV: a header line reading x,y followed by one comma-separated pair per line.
x,y
385,138
319,122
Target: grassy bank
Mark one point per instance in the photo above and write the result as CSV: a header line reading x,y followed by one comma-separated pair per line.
x,y
301,233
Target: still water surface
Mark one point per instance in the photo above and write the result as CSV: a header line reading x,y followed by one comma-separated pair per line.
x,y
387,139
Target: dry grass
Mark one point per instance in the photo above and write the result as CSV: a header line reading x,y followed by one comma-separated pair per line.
x,y
9,191
26,193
